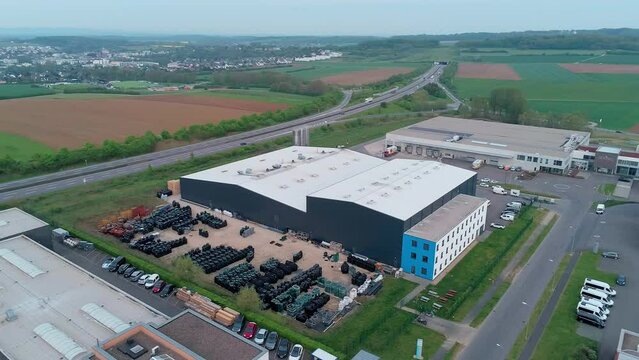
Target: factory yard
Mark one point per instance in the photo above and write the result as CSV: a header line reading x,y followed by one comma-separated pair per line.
x,y
366,76
74,122
487,71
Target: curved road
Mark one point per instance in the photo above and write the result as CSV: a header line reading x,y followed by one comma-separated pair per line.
x,y
111,169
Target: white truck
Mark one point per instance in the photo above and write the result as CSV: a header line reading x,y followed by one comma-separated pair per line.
x,y
499,190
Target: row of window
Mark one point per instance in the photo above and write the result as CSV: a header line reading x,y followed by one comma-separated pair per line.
x,y
628,163
536,159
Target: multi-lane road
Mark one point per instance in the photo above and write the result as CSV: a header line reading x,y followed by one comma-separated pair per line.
x,y
111,169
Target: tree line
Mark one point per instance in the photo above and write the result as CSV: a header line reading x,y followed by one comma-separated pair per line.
x,y
560,42
272,80
136,145
509,105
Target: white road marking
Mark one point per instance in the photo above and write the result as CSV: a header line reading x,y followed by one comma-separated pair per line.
x,y
498,345
525,303
551,260
596,236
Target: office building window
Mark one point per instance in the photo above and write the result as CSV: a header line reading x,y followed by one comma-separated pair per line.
x,y
425,259
424,271
521,157
529,158
426,247
535,159
557,162
412,269
414,243
413,256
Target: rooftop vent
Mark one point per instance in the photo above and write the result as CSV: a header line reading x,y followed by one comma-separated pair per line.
x,y
277,166
248,171
314,175
301,156
283,186
300,180
397,188
361,189
347,196
376,183
407,182
346,163
385,195
332,168
395,172
385,178
370,202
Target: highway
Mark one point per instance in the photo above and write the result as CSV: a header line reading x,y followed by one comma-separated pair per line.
x,y
107,170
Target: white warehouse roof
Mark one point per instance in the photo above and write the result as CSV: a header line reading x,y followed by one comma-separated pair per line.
x,y
15,222
288,175
399,188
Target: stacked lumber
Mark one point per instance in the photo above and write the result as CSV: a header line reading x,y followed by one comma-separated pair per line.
x,y
173,185
225,318
183,294
206,307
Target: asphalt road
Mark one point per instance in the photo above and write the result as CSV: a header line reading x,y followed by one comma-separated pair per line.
x,y
495,337
107,170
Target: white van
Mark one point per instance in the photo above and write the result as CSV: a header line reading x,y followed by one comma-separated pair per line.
x,y
499,190
597,295
604,310
599,285
600,209
590,309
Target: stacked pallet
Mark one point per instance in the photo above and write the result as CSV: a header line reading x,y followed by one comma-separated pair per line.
x,y
183,294
206,307
173,185
225,318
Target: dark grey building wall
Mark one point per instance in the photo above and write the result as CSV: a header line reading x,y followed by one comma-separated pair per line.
x,y
41,235
248,204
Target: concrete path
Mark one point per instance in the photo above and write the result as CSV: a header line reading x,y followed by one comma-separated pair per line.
x,y
510,271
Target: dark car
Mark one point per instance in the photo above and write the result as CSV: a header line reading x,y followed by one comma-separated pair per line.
x,y
282,348
238,324
621,280
610,255
250,330
115,264
271,341
158,286
168,289
123,268
130,270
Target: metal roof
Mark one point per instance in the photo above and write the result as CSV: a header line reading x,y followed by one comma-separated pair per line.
x,y
399,188
59,341
105,318
323,355
19,262
365,355
289,175
15,222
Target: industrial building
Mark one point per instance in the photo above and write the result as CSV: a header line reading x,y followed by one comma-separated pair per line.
x,y
52,309
527,147
14,222
432,245
628,345
607,160
363,202
187,336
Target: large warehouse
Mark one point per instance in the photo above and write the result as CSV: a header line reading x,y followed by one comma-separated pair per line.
x,y
528,147
364,203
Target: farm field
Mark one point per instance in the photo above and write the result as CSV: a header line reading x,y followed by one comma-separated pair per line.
x,y
262,95
552,88
21,91
322,69
20,147
366,76
601,68
487,71
74,122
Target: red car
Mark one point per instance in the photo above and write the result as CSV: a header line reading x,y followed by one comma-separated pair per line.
x,y
159,286
250,330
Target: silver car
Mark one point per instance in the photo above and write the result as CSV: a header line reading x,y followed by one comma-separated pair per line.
x,y
260,337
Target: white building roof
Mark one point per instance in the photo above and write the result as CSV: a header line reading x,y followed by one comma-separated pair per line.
x,y
399,188
15,222
299,171
56,297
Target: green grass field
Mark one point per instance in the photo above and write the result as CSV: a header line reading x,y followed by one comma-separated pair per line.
x,y
22,91
550,88
263,95
320,69
560,335
19,147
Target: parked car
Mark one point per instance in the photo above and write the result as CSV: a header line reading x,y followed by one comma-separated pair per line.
x,y
484,185
485,180
260,336
151,280
501,167
514,204
494,181
115,264
158,286
143,278
297,352
271,341
130,270
168,290
107,262
249,330
136,275
518,168
507,217
282,348
610,255
123,268
621,280
497,226
238,324
512,209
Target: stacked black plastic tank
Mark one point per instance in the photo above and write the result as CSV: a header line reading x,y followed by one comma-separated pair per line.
x,y
233,279
304,280
151,245
169,216
358,279
366,264
213,259
274,270
211,220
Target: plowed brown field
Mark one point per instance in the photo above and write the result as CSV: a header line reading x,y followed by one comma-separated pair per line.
x,y
487,71
365,77
72,123
601,68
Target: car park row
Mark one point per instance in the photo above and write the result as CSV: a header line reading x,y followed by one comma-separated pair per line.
x,y
149,281
596,300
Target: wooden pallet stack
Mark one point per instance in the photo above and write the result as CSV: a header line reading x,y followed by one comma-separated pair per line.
x,y
173,185
206,307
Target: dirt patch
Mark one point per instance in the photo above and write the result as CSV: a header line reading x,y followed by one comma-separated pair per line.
x,y
365,77
635,129
72,123
487,71
601,68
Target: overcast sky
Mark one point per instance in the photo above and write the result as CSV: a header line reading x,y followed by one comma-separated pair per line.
x,y
318,17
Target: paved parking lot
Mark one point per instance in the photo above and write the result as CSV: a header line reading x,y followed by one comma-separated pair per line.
x,y
617,231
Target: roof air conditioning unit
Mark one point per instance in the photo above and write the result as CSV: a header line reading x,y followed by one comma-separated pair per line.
x,y
300,156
